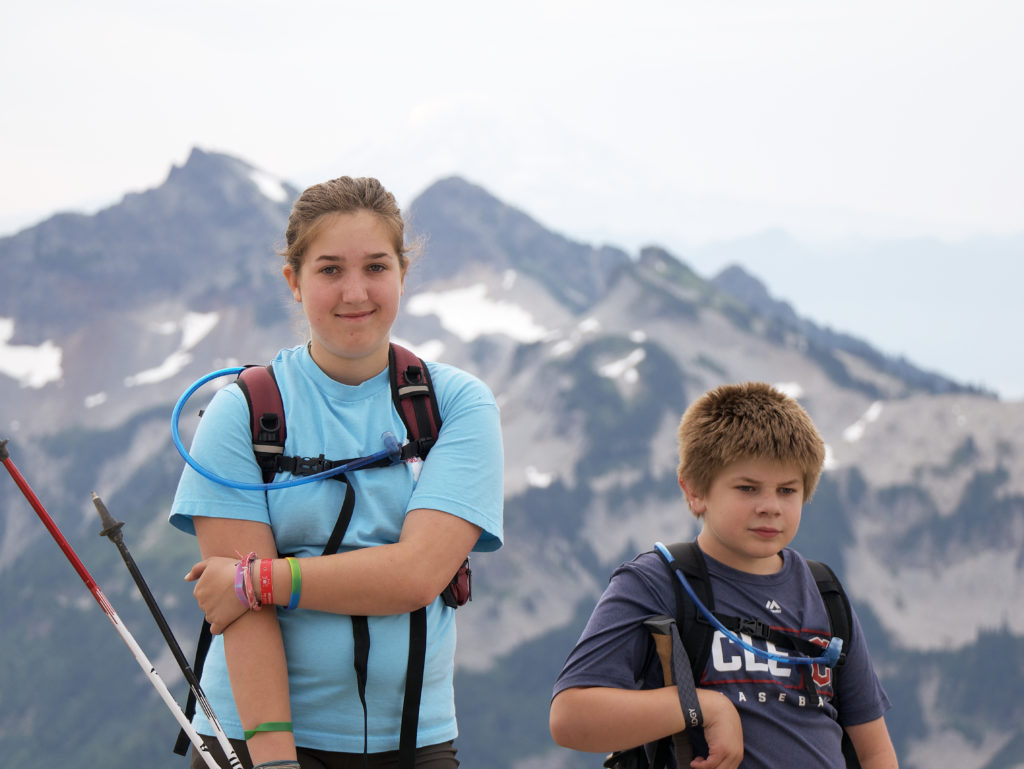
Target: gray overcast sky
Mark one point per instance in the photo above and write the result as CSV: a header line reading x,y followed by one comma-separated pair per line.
x,y
683,123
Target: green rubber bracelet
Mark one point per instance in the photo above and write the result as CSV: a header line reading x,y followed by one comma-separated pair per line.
x,y
270,726
293,601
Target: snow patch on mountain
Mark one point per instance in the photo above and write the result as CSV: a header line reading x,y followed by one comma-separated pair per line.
x,y
94,400
30,366
270,186
855,431
586,327
469,313
624,368
194,328
538,479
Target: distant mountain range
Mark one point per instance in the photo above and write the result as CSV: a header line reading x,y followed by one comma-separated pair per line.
x,y
593,354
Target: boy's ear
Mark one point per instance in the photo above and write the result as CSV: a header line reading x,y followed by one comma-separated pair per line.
x,y
695,501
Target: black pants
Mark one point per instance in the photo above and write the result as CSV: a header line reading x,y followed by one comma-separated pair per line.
x,y
430,757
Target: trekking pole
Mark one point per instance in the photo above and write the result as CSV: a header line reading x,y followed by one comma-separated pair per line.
x,y
105,605
661,632
112,531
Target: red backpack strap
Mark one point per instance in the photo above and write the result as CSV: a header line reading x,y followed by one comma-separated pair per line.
x,y
413,395
266,416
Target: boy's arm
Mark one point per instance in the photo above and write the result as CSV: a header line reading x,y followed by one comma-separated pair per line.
x,y
601,719
873,744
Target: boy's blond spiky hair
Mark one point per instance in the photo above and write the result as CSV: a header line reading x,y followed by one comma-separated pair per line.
x,y
746,421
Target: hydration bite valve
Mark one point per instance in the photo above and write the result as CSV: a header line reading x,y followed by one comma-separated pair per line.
x,y
391,446
833,652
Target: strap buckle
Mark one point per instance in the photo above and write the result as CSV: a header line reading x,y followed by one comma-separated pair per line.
x,y
753,627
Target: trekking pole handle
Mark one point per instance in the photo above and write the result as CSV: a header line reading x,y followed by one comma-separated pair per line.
x,y
111,528
661,633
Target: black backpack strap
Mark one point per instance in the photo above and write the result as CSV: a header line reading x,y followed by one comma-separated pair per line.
x,y
361,654
348,505
837,604
696,632
688,557
266,416
755,628
183,742
840,619
413,688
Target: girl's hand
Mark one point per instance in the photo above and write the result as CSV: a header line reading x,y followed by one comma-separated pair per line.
x,y
215,591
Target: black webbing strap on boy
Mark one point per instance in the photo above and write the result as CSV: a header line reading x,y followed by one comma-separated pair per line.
x,y
676,671
675,666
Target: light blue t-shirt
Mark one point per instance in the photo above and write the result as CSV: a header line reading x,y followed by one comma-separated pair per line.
x,y
462,476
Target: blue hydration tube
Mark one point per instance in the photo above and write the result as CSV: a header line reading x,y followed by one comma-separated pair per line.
x,y
390,451
829,658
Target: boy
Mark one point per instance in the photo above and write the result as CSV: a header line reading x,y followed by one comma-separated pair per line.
x,y
749,458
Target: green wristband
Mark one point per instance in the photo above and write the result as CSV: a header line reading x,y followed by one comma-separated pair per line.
x,y
270,726
293,601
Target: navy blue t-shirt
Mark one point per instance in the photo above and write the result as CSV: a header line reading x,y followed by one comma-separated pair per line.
x,y
783,724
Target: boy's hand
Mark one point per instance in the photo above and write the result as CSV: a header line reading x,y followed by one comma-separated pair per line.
x,y
722,730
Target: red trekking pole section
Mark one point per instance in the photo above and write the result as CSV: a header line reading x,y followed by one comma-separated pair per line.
x,y
55,532
101,599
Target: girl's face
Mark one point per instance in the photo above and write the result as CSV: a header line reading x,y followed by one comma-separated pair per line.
x,y
349,286
750,513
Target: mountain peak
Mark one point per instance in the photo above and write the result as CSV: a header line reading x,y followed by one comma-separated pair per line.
x,y
223,181
741,285
468,226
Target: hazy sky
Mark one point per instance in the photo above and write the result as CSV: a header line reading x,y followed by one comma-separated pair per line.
x,y
883,137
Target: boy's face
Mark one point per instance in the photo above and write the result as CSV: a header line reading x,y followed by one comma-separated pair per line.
x,y
750,512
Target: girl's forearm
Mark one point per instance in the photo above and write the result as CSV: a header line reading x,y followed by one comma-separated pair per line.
x,y
259,680
382,580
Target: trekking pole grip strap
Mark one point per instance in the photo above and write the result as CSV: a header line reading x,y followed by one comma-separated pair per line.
x,y
684,683
676,667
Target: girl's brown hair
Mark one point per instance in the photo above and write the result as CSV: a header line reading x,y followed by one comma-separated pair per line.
x,y
343,195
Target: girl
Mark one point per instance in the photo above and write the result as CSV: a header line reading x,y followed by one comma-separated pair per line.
x,y
285,681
